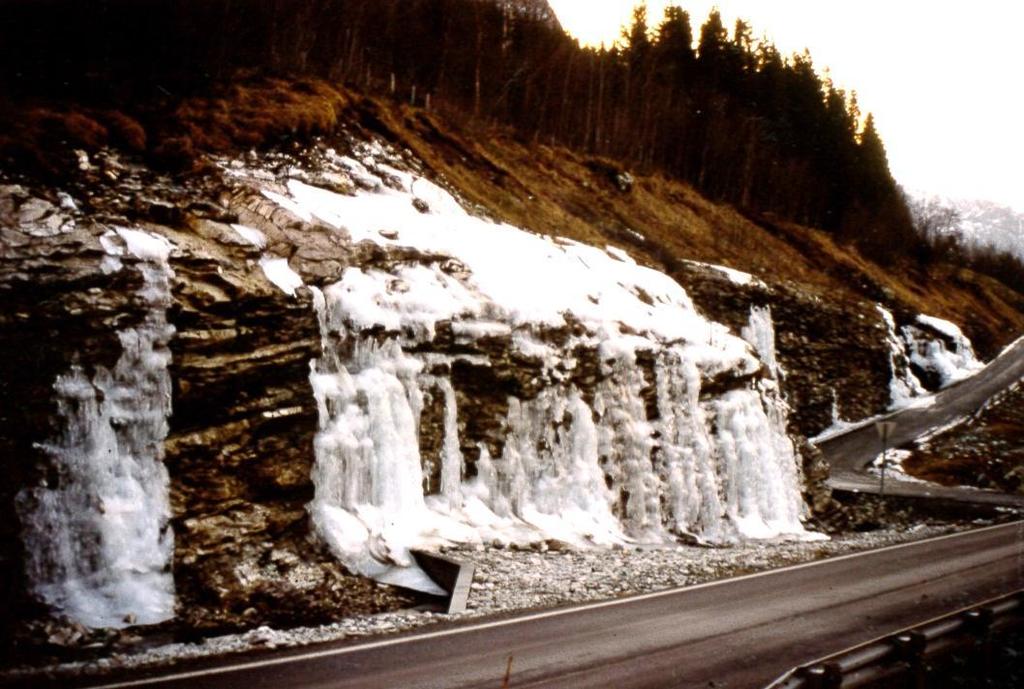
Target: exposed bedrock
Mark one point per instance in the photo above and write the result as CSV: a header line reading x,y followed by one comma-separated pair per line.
x,y
834,353
238,445
355,366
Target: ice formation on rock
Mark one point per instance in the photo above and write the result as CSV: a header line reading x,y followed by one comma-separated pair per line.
x,y
760,333
934,348
635,451
933,355
98,546
904,386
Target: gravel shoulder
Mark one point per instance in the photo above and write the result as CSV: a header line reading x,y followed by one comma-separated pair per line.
x,y
508,581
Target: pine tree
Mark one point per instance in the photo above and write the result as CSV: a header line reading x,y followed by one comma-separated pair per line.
x,y
874,161
713,38
712,49
675,44
638,40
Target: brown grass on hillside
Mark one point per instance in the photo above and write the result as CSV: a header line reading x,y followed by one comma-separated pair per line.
x,y
258,114
545,188
987,451
555,191
251,113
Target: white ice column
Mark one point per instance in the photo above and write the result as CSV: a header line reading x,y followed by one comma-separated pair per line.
x,y
625,444
760,491
549,475
369,505
367,448
98,545
686,451
451,459
760,333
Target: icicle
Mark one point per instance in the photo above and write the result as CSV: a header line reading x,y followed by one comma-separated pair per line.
x,y
625,445
758,465
370,431
740,479
369,504
451,452
685,451
549,473
904,385
98,546
760,333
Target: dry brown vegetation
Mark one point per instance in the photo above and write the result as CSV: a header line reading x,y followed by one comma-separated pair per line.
x,y
730,115
549,189
258,113
556,191
683,95
248,113
987,451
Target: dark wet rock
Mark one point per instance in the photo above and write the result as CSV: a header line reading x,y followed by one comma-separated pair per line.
x,y
240,445
834,352
239,450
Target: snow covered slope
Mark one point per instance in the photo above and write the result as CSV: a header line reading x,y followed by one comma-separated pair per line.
x,y
979,223
635,449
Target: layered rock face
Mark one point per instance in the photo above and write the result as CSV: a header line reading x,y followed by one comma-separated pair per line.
x,y
294,369
835,355
244,397
223,481
95,527
59,330
465,400
841,360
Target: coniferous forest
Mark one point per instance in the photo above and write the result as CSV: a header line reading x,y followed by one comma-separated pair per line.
x,y
705,103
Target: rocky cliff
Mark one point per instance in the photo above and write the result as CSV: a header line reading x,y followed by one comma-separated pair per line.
x,y
238,444
240,397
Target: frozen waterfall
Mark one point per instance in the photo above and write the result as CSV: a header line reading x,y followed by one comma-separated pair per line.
x,y
587,474
904,387
633,450
98,546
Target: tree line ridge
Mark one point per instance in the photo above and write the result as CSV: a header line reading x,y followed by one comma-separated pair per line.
x,y
731,115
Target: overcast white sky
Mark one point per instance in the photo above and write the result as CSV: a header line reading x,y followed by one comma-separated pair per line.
x,y
941,76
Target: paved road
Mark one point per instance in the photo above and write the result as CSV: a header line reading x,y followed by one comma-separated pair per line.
x,y
742,632
850,453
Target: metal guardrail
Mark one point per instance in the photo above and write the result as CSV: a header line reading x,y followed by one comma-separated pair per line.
x,y
906,653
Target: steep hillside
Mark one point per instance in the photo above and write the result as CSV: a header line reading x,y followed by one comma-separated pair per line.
x,y
552,190
260,362
985,450
666,223
556,191
730,114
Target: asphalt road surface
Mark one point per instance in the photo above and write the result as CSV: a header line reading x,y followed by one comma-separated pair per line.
x,y
849,454
741,632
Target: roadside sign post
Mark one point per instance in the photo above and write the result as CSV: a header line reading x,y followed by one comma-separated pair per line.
x,y
885,430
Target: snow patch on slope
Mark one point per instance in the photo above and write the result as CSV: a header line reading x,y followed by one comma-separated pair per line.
x,y
281,274
934,355
589,472
737,277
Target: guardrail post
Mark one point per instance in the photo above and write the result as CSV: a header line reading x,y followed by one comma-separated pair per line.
x,y
824,676
910,647
979,624
454,576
